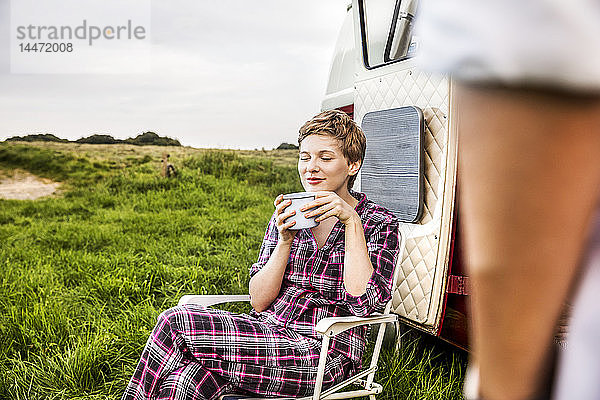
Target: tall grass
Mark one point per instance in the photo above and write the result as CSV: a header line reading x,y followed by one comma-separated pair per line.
x,y
83,275
421,368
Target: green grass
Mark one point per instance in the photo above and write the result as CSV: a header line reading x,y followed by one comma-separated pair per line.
x,y
422,368
83,275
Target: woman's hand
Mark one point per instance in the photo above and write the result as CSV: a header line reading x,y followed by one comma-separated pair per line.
x,y
330,204
285,235
266,284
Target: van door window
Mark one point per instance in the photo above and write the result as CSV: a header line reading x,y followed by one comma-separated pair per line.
x,y
386,30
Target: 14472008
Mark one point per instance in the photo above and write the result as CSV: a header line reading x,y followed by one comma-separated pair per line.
x,y
46,47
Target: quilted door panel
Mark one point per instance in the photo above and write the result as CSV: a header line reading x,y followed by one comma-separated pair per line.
x,y
420,286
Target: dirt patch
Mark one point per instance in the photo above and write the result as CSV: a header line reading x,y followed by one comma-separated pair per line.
x,y
22,185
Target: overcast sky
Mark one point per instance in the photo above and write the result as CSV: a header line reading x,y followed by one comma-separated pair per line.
x,y
227,74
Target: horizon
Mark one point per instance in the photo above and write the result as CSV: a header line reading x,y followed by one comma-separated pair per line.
x,y
122,141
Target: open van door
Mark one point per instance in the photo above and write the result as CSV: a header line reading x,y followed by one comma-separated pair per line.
x,y
411,160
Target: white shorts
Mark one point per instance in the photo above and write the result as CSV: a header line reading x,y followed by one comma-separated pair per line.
x,y
579,364
553,43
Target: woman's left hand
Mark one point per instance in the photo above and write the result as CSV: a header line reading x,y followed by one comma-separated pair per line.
x,y
329,204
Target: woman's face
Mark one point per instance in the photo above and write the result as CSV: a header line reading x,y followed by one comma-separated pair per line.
x,y
322,165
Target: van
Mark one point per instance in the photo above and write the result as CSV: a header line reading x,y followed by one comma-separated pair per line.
x,y
411,159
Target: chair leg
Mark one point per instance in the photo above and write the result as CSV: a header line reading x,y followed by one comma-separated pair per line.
x,y
375,356
321,368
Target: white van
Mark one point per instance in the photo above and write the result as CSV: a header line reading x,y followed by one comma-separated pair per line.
x,y
410,164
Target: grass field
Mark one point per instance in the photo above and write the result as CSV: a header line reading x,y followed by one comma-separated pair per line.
x,y
84,274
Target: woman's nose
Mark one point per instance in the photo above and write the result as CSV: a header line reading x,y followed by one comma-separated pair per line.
x,y
312,165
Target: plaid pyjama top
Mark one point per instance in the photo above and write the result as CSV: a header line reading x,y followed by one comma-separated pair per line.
x,y
199,353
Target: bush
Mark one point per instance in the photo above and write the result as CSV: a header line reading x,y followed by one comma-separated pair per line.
x,y
151,138
46,137
146,138
99,139
287,146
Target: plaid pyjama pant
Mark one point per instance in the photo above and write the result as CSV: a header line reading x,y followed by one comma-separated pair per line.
x,y
201,353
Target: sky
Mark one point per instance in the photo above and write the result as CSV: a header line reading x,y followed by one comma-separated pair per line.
x,y
233,74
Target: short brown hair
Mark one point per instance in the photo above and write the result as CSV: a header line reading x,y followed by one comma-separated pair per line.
x,y
339,125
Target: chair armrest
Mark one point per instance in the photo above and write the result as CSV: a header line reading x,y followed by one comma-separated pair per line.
x,y
333,325
212,299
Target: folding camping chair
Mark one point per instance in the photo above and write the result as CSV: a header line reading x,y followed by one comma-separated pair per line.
x,y
328,327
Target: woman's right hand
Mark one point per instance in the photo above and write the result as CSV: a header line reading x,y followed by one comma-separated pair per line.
x,y
285,235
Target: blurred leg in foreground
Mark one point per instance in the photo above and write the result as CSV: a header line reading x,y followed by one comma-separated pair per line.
x,y
530,182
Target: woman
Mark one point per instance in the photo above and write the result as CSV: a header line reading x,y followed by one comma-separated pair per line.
x,y
344,266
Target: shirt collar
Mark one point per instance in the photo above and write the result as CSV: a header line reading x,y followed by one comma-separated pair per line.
x,y
362,200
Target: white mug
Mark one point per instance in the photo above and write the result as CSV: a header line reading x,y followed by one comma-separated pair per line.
x,y
298,200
